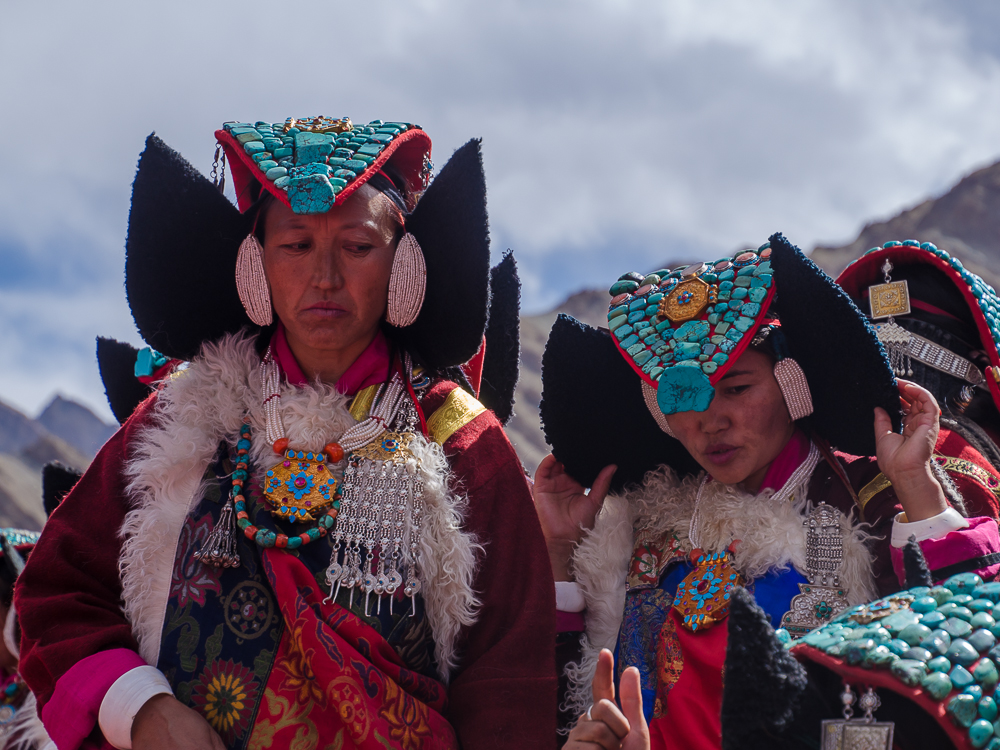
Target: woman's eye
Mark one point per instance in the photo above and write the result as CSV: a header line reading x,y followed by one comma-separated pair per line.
x,y
299,246
736,390
359,249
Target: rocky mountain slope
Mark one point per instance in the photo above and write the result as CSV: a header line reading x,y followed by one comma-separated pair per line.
x,y
964,221
65,431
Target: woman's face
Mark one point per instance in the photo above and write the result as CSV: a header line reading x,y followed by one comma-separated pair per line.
x,y
745,428
329,273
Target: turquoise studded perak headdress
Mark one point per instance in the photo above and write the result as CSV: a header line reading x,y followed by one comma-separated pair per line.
x,y
311,164
867,274
682,329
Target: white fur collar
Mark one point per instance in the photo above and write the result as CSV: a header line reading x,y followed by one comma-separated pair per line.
x,y
205,404
771,534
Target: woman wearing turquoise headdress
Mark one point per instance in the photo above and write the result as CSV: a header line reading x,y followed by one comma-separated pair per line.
x,y
731,407
313,534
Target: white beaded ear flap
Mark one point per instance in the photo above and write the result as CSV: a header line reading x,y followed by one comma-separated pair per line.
x,y
649,396
251,283
794,388
407,283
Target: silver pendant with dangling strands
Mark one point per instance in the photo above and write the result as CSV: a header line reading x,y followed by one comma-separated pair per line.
x,y
381,503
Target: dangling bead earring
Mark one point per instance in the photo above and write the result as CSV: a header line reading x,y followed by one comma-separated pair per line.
x,y
407,283
251,282
794,388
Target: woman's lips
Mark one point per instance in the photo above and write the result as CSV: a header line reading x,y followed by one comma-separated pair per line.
x,y
325,310
720,454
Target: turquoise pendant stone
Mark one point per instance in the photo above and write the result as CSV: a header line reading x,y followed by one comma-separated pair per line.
x,y
980,733
312,194
964,710
937,684
684,388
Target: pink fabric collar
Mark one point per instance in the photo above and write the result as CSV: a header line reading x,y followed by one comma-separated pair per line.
x,y
370,368
791,457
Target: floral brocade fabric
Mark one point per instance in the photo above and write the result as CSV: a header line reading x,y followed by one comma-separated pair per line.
x,y
257,652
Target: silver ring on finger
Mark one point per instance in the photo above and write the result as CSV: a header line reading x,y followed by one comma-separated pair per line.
x,y
587,715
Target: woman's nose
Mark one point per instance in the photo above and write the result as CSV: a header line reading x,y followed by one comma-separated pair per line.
x,y
326,271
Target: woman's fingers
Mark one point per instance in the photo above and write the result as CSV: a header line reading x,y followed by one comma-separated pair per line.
x,y
603,686
631,698
607,728
882,422
546,468
602,484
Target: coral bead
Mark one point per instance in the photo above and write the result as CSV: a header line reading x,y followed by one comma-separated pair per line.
x,y
280,445
333,452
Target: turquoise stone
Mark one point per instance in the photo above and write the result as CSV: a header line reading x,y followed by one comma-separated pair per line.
x,y
742,281
898,647
924,604
620,287
988,708
985,672
686,350
915,633
964,710
725,286
642,357
735,304
727,275
312,194
961,599
720,358
962,652
879,634
254,147
630,341
651,311
963,583
683,388
635,316
746,271
961,678
654,298
727,346
693,330
980,605
990,591
938,633
635,305
312,147
622,331
713,318
275,172
933,619
956,628
880,656
665,329
281,182
251,136
766,278
655,372
757,295
941,594
980,733
858,650
939,664
750,309
740,293
266,164
282,153
910,672
744,324
734,334
975,691
937,684
918,654
896,622
982,640
723,326
762,268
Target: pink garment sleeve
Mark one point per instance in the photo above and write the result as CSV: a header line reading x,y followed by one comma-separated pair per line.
x,y
570,622
982,537
70,715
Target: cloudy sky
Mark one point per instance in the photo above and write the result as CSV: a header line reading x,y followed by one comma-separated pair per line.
x,y
617,134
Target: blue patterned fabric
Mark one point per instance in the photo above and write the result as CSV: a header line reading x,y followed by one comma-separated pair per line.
x,y
646,611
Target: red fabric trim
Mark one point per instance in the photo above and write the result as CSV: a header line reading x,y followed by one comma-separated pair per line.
x,y
161,373
473,369
409,161
877,678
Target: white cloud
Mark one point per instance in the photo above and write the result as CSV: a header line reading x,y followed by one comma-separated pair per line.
x,y
616,133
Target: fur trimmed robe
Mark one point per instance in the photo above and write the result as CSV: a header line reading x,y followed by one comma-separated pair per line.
x,y
772,537
488,598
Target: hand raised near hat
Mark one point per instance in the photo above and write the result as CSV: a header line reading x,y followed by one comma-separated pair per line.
x,y
164,723
605,725
565,509
905,459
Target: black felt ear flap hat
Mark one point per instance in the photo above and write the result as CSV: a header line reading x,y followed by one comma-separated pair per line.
x,y
184,235
594,414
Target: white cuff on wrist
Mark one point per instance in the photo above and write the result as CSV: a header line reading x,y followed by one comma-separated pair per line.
x,y
934,527
124,699
569,597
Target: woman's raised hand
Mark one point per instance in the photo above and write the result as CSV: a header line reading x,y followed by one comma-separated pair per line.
x,y
905,459
565,509
164,723
605,725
